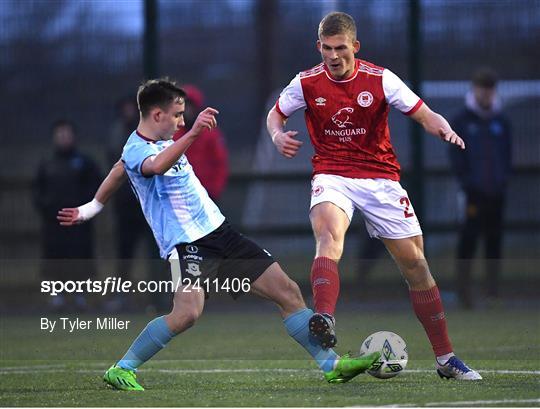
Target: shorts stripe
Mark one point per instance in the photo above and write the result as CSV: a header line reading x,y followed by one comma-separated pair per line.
x,y
176,271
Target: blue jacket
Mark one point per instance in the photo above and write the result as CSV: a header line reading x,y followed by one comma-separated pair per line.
x,y
485,165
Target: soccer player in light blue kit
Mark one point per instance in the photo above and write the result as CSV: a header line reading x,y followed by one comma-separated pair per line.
x,y
194,236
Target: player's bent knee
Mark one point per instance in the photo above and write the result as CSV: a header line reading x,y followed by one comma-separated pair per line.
x,y
329,237
329,245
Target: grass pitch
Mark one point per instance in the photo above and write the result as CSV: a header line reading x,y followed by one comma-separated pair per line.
x,y
234,358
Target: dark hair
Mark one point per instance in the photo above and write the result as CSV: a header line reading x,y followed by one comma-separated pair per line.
x,y
485,77
60,123
158,93
337,23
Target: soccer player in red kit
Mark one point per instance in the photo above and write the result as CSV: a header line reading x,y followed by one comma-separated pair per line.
x,y
346,102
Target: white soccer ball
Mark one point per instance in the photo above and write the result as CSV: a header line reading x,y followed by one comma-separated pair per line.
x,y
393,351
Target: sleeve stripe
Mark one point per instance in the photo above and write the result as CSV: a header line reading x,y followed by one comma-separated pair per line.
x,y
415,108
278,110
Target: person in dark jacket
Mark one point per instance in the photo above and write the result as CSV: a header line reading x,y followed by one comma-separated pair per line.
x,y
66,176
483,171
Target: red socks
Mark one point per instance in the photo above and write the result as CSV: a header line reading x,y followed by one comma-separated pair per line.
x,y
429,309
427,304
325,285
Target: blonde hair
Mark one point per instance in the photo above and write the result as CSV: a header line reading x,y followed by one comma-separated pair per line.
x,y
337,23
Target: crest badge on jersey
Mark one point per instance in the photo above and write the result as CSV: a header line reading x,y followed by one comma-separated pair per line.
x,y
365,99
317,190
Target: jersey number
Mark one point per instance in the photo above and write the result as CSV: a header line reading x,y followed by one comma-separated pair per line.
x,y
405,201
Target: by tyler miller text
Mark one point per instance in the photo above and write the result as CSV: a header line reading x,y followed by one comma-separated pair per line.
x,y
77,324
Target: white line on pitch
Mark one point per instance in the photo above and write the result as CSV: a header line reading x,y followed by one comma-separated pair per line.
x,y
497,371
57,368
482,402
461,403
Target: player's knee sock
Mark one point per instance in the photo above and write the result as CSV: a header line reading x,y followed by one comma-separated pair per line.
x,y
428,307
297,328
325,285
151,340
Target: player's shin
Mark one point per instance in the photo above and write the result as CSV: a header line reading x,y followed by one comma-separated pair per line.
x,y
428,307
150,341
297,327
325,285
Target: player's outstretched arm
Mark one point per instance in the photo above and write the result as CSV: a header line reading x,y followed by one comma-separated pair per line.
x,y
71,216
284,140
436,125
116,177
164,160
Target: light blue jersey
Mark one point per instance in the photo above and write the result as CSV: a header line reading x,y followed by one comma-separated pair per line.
x,y
175,205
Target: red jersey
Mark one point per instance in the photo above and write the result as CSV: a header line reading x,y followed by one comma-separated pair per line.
x,y
347,120
210,160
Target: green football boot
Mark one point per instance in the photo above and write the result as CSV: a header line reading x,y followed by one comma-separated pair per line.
x,y
123,379
348,367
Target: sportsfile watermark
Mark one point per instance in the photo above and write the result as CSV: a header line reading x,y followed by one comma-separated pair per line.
x,y
117,285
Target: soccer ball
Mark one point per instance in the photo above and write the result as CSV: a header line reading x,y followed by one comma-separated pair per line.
x,y
393,351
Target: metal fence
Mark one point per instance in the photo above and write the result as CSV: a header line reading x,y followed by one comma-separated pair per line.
x,y
75,58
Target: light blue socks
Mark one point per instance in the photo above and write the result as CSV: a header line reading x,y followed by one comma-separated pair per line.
x,y
150,341
297,327
157,334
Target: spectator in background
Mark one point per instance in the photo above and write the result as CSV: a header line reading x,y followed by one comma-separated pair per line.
x,y
483,170
130,226
127,118
208,154
65,177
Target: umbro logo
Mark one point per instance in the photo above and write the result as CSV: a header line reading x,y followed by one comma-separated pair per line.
x,y
320,101
387,351
321,281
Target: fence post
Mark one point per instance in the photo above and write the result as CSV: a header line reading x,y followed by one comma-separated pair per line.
x,y
150,40
417,180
